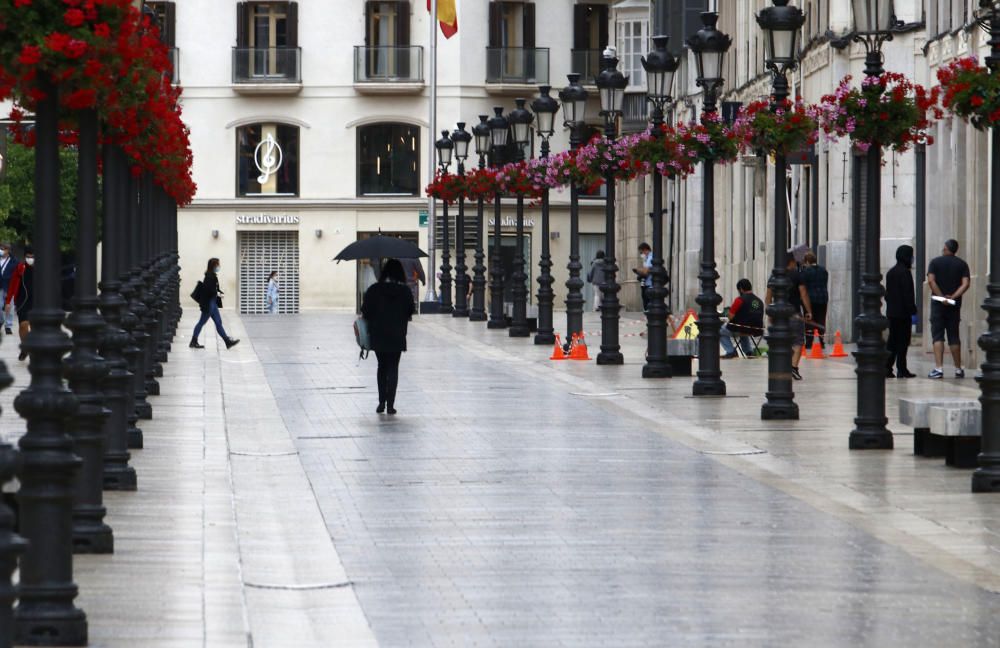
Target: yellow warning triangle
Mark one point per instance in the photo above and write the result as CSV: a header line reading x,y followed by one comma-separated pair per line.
x,y
688,329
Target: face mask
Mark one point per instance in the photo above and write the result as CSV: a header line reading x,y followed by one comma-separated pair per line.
x,y
3,253
217,268
30,261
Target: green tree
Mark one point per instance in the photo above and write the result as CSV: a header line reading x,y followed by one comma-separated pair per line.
x,y
17,196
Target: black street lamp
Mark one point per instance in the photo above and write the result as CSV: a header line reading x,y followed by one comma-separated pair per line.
x,y
660,68
11,545
873,24
709,46
461,139
781,25
483,137
986,478
611,84
499,128
520,122
545,109
445,148
574,100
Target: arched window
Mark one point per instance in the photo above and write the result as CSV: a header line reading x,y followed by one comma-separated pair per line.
x,y
267,160
388,160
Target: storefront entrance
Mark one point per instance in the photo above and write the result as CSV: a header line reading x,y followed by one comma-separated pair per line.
x,y
260,253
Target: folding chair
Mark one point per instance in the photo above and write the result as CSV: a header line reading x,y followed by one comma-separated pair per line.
x,y
754,333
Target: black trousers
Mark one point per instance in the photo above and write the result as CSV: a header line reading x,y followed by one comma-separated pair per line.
x,y
388,376
819,316
644,291
900,331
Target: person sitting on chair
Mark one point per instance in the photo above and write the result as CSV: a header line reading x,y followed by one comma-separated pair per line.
x,y
746,316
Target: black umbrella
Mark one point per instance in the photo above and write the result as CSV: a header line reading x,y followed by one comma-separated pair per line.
x,y
380,247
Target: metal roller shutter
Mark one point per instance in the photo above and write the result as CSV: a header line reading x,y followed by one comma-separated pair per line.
x,y
260,253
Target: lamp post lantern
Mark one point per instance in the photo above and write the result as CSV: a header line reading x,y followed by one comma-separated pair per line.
x,y
986,478
611,84
873,23
545,109
780,24
445,149
574,100
660,68
520,122
483,137
499,128
461,138
709,46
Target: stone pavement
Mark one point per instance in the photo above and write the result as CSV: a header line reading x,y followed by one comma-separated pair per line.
x,y
516,501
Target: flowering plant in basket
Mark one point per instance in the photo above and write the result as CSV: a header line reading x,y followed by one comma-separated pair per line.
x,y
665,152
447,187
970,91
709,140
515,179
600,157
481,183
792,127
887,110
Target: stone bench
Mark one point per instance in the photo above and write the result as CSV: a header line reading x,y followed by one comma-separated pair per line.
x,y
915,412
962,428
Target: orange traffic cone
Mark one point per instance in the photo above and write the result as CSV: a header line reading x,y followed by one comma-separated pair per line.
x,y
817,351
838,347
557,351
579,351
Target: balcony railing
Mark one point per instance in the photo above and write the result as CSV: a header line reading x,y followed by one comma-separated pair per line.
x,y
267,65
518,65
586,63
175,64
635,112
389,64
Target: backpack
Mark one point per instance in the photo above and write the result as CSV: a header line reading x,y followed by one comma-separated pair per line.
x,y
362,337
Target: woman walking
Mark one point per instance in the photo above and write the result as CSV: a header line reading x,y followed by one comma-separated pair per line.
x,y
273,292
388,307
209,299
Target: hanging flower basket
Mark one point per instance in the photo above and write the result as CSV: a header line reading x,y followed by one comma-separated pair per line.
x,y
791,128
970,91
887,111
710,140
515,179
481,183
664,152
601,157
447,187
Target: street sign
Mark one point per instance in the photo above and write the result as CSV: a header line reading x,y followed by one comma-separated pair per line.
x,y
423,218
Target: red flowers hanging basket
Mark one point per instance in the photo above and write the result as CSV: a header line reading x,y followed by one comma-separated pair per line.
x,y
971,91
790,128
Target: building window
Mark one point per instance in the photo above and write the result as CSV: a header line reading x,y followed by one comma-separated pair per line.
x,y
590,37
387,39
511,55
166,20
388,160
632,46
267,158
267,39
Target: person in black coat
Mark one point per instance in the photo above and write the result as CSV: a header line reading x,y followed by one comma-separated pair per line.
x,y
209,301
388,308
900,307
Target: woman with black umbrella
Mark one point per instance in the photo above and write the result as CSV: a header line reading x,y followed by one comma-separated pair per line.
x,y
387,308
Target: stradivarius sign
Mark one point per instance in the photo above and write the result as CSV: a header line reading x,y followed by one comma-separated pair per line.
x,y
267,219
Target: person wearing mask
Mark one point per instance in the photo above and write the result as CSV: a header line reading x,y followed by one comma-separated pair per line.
x,y
21,297
816,279
948,277
595,277
746,315
798,297
209,299
387,308
273,293
7,266
645,273
900,307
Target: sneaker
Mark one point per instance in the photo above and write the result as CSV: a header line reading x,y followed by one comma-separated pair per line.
x,y
795,373
936,374
960,373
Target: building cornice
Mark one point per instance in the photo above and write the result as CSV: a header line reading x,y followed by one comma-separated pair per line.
x,y
268,118
357,204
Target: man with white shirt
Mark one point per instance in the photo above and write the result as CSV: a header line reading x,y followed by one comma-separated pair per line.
x,y
7,265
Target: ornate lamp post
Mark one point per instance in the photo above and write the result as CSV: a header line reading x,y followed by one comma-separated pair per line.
x,y
499,128
660,68
545,109
445,148
461,139
11,545
709,46
483,137
520,122
611,84
781,25
574,100
986,479
873,23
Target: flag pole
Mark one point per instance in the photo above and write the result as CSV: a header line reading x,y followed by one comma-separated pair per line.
x,y
431,156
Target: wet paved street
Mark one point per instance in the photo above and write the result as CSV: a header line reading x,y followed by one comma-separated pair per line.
x,y
509,504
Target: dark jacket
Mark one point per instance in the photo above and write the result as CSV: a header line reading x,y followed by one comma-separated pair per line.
x,y
815,278
7,272
900,300
387,308
209,291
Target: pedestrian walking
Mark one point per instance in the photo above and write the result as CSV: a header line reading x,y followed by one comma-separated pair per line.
x,y
645,273
413,270
209,298
948,277
900,308
798,297
8,263
273,294
21,297
595,277
387,308
816,279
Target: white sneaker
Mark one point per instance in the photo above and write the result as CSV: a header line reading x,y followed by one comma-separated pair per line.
x,y
936,374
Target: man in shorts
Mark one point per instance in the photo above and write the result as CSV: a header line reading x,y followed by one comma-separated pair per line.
x,y
948,277
798,297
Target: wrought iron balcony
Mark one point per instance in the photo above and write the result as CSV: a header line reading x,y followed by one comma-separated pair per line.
x,y
586,63
517,65
389,65
267,66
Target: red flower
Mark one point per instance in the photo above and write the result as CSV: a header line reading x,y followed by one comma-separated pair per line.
x,y
73,17
102,30
30,55
80,99
976,101
57,42
21,3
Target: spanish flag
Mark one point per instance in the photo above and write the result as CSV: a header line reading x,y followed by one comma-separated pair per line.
x,y
447,16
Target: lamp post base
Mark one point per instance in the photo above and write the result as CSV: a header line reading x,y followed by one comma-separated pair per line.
x,y
519,331
986,480
657,370
772,411
95,539
496,324
121,478
545,338
477,317
708,388
134,439
43,626
870,440
610,358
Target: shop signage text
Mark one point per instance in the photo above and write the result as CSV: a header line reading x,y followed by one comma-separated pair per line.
x,y
266,219
511,221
